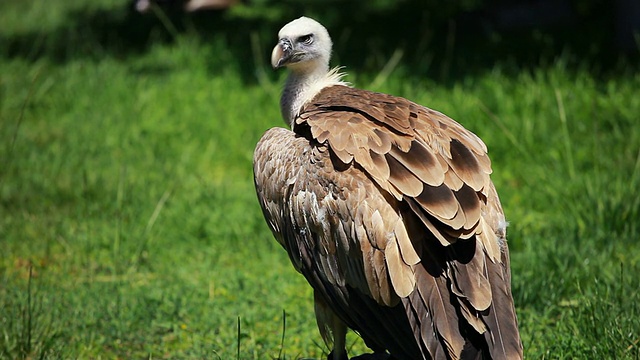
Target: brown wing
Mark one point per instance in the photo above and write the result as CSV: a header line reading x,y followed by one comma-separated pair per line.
x,y
341,232
388,210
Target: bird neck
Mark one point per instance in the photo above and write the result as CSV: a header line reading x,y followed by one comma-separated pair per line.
x,y
302,85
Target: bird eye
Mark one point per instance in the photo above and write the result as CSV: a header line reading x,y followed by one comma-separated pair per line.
x,y
306,39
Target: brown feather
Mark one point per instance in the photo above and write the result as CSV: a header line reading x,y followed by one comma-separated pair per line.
x,y
401,274
468,275
472,316
438,201
344,156
489,241
436,297
443,237
458,220
407,250
466,166
421,162
373,283
375,228
470,204
380,167
502,328
452,180
379,141
402,179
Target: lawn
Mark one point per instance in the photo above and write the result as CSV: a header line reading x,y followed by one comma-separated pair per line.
x,y
129,226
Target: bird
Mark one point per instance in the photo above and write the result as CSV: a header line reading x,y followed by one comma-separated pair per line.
x,y
387,208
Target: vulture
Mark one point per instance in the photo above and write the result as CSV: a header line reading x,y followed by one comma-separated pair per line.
x,y
387,209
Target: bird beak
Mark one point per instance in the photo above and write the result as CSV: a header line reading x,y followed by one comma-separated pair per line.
x,y
281,54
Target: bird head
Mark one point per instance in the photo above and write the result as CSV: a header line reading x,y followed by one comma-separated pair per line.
x,y
303,45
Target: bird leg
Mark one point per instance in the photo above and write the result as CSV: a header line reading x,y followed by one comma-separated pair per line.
x,y
332,329
339,351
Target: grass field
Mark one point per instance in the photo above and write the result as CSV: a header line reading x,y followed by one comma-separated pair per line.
x,y
129,227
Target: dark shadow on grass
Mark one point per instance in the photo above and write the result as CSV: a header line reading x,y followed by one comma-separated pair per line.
x,y
122,33
442,43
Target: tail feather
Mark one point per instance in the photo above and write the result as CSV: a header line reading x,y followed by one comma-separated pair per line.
x,y
502,336
439,330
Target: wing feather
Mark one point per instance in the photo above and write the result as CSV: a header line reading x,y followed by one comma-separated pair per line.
x,y
438,201
402,179
409,253
436,298
421,162
468,274
466,166
499,334
401,275
470,205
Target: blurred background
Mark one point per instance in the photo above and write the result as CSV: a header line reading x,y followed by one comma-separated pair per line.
x,y
434,37
129,225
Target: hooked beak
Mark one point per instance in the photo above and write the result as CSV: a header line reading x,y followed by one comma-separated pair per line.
x,y
281,54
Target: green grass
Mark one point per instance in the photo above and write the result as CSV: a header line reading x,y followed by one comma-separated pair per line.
x,y
129,227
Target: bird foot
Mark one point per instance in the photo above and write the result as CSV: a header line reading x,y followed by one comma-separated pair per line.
x,y
343,357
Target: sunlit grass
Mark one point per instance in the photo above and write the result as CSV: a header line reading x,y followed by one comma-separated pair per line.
x,y
128,215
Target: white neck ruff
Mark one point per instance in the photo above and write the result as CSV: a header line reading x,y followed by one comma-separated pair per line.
x,y
302,87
